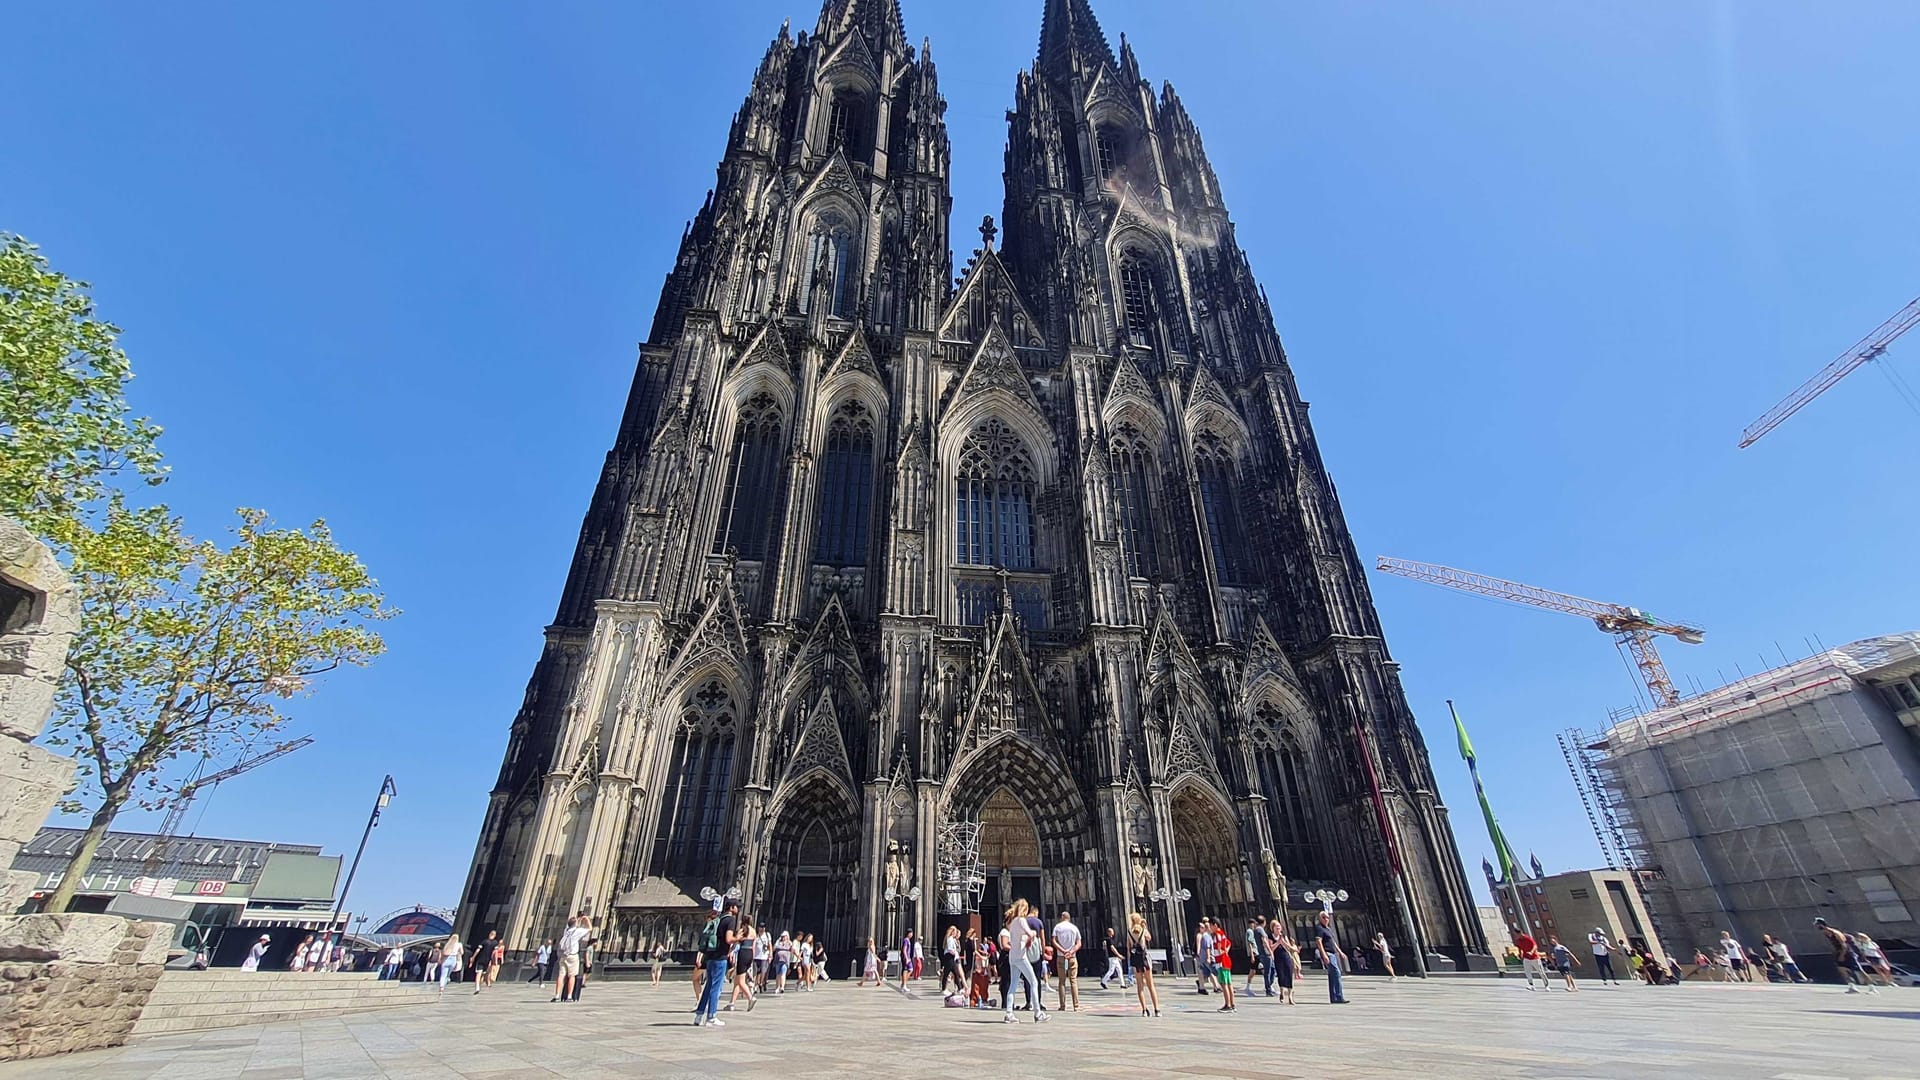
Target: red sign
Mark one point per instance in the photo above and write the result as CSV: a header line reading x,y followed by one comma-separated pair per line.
x,y
210,888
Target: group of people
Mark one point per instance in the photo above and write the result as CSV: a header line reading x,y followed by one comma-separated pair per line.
x,y
311,955
1860,959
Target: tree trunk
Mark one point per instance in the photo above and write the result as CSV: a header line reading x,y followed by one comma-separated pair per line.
x,y
89,843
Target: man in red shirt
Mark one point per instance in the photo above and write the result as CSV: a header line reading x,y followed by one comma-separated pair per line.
x,y
1531,961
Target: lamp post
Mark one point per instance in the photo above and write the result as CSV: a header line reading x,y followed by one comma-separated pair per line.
x,y
1161,895
380,801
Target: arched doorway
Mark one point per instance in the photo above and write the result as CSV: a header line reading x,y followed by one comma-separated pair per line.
x,y
1208,856
1009,857
813,854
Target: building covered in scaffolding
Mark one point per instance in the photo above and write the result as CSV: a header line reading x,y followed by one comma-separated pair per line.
x,y
1785,796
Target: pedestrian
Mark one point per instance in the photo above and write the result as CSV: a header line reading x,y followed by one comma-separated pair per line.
x,y
806,963
1385,952
1223,965
1066,961
743,966
1022,942
482,961
762,956
257,953
586,956
570,949
950,962
970,959
1259,955
1734,955
298,962
1327,950
1602,956
1563,961
542,960
782,960
1530,960
1002,967
1286,960
1110,948
317,957
717,940
450,960
870,967
980,974
658,958
1138,940
909,957
1203,956
1874,959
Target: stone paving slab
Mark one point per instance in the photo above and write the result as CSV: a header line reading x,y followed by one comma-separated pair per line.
x,y
1439,1030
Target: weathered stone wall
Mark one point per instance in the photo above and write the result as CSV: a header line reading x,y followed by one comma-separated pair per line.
x,y
67,982
74,982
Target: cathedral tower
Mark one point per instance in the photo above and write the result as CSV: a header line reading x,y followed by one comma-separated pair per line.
x,y
901,596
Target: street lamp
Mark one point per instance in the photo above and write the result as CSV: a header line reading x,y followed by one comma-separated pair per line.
x,y
380,801
1324,897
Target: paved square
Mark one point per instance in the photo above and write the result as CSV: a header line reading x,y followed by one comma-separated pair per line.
x,y
1428,1031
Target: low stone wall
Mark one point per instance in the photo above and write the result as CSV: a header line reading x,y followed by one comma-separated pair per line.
x,y
74,982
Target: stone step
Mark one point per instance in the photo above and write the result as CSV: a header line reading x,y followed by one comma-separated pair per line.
x,y
200,1000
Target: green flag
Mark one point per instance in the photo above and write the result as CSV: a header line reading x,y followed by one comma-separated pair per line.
x,y
1501,851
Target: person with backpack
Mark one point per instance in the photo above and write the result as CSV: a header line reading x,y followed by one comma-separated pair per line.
x,y
1023,946
717,940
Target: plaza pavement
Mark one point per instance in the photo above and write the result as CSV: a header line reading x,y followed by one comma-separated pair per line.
x,y
1435,1030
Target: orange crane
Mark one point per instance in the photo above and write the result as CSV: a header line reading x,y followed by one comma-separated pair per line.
x,y
1871,347
1633,628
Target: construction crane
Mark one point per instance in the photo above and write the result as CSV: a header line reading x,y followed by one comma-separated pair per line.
x,y
177,812
1871,347
1632,627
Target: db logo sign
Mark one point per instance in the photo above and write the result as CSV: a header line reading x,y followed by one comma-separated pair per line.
x,y
210,888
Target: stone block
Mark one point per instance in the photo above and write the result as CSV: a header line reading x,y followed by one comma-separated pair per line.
x,y
31,781
69,938
38,615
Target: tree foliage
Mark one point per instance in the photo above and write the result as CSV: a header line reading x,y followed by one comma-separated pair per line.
x,y
66,433
185,648
188,648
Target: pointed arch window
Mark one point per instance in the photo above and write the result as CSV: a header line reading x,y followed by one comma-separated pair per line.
x,y
846,489
688,840
829,264
1220,503
1109,150
752,491
994,500
847,112
1134,473
1285,779
1138,291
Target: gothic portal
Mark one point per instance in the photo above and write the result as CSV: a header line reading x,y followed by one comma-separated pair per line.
x,y
1047,548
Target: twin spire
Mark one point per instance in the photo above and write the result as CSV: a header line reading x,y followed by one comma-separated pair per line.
x,y
1070,35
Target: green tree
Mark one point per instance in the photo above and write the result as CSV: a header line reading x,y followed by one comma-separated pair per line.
x,y
189,648
66,433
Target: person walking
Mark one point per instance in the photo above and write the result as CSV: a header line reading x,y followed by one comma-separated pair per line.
x,y
1602,948
1138,940
1734,955
806,963
870,967
1563,962
482,961
1531,963
1110,948
1327,950
717,940
257,953
569,947
449,960
586,956
762,956
298,961
1259,955
659,960
1874,959
1022,944
743,966
542,961
1066,961
782,960
1385,952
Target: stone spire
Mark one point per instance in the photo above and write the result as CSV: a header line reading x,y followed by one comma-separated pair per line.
x,y
1070,40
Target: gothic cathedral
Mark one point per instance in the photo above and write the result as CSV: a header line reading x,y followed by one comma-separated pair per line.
x,y
904,594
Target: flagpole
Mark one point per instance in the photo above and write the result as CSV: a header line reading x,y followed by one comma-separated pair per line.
x,y
1494,834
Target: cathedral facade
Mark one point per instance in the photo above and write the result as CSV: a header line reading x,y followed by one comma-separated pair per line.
x,y
905,593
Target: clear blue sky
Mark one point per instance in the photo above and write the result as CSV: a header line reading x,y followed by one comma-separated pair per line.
x,y
1536,265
